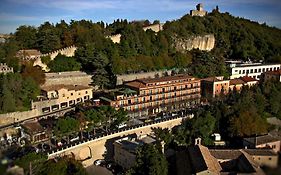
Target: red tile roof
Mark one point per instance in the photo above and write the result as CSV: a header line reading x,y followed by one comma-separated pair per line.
x,y
248,79
142,83
167,78
236,81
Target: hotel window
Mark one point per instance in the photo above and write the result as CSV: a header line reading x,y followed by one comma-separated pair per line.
x,y
150,98
71,94
247,71
136,107
143,99
156,97
86,92
150,92
175,88
243,71
163,89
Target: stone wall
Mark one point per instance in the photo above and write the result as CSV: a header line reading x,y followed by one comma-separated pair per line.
x,y
68,51
154,27
204,42
131,77
68,78
89,151
10,118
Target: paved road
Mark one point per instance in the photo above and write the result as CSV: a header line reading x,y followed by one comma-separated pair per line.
x,y
98,170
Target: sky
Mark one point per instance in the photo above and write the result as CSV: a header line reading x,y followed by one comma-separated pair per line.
x,y
14,13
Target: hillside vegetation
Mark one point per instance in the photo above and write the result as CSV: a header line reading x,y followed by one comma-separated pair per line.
x,y
236,38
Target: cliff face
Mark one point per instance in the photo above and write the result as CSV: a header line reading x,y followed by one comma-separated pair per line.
x,y
206,43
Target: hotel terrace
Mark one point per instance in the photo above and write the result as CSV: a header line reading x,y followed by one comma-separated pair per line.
x,y
150,96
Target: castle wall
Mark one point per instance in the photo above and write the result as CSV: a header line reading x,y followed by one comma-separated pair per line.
x,y
154,27
68,51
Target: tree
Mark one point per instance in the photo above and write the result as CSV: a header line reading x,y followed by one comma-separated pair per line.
x,y
8,103
63,166
63,63
149,160
34,72
248,123
66,126
31,161
26,36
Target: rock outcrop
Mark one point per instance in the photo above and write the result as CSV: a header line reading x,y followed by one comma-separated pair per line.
x,y
205,43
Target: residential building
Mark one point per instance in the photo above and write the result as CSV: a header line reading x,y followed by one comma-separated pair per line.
x,y
264,157
265,141
240,69
59,97
35,132
4,68
238,83
29,54
198,159
272,75
199,11
214,86
125,149
236,162
153,95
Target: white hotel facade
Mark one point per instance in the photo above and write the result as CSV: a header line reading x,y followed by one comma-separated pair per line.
x,y
253,70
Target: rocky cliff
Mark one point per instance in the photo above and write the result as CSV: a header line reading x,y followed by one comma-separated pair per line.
x,y
205,42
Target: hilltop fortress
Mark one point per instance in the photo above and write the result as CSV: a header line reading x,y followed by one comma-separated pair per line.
x,y
201,42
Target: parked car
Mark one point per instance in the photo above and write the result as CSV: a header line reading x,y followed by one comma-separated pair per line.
x,y
99,162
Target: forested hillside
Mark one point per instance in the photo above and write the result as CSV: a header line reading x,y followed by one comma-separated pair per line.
x,y
141,50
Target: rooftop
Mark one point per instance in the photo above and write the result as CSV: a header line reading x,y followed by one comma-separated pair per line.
x,y
141,83
259,140
68,87
202,159
247,79
132,143
214,79
33,127
254,65
226,153
236,81
261,152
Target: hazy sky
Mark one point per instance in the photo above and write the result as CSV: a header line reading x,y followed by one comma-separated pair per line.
x,y
14,13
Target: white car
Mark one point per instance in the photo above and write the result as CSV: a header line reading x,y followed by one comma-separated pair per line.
x,y
99,162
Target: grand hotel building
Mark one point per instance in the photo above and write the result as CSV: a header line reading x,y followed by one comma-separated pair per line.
x,y
150,96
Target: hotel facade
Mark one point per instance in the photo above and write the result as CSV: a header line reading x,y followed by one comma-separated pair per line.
x,y
151,96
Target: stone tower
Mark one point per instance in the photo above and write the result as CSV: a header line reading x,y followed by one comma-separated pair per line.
x,y
199,7
199,11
